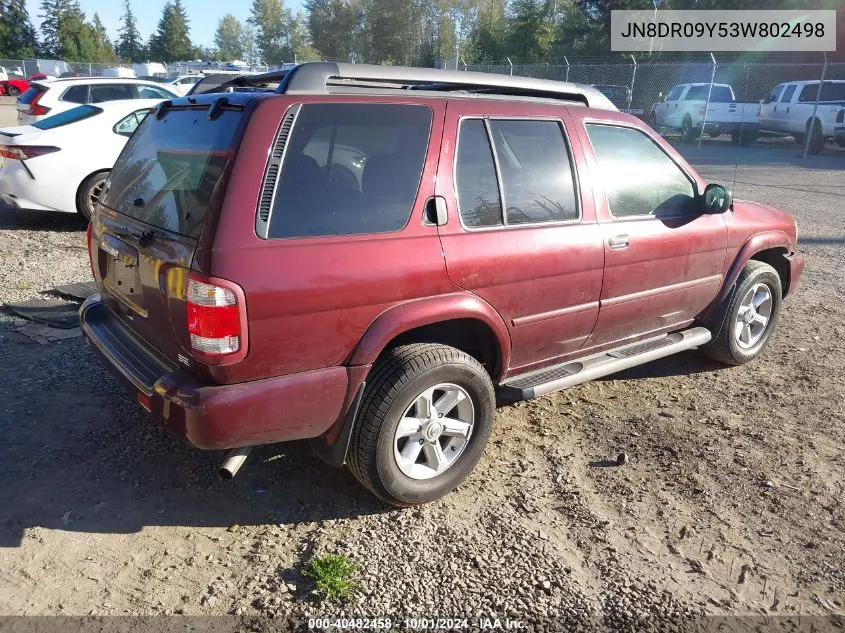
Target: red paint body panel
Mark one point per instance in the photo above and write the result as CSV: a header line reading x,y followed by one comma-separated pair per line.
x,y
320,310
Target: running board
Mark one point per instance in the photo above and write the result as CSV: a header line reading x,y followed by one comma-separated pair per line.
x,y
574,372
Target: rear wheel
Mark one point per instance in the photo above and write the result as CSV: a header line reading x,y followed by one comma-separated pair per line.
x,y
799,138
744,136
750,316
13,91
89,193
425,418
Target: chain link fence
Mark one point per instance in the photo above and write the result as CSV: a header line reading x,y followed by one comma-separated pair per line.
x,y
642,87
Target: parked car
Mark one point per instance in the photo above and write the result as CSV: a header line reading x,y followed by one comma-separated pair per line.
x,y
620,96
51,97
13,86
495,242
683,108
183,84
789,107
61,162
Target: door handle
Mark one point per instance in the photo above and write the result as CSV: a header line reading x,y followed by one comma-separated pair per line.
x,y
618,241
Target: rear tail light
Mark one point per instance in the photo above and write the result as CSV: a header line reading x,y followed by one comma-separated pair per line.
x,y
214,319
90,254
840,116
35,109
23,152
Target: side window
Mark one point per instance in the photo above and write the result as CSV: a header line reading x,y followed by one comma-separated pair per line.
x,y
151,92
76,94
808,93
479,202
111,92
787,94
128,124
774,94
536,170
350,169
639,178
696,93
674,93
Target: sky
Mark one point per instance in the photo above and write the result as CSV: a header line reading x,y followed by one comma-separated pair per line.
x,y
203,14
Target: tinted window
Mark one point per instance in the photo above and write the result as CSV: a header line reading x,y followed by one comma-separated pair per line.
x,y
536,171
76,94
720,94
696,93
830,92
350,169
111,92
639,178
127,125
68,116
28,95
475,174
787,94
170,169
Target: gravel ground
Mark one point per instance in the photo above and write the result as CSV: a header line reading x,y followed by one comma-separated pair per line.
x,y
731,501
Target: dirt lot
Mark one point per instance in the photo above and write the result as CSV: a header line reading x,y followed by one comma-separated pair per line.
x,y
731,501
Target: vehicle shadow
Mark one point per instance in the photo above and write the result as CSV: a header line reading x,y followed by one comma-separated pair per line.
x,y
682,364
763,152
82,456
12,219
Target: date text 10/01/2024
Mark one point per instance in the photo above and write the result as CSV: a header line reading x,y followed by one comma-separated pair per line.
x,y
421,624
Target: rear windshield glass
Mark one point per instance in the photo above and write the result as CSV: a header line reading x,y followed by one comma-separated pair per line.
x,y
170,169
29,95
350,169
68,116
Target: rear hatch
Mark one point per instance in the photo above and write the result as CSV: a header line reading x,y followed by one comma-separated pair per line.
x,y
28,101
167,185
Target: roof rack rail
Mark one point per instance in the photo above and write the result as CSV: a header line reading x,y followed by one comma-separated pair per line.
x,y
318,77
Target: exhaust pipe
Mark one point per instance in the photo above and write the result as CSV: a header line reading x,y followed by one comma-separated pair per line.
x,y
236,458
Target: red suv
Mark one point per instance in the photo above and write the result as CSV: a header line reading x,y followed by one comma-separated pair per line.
x,y
364,256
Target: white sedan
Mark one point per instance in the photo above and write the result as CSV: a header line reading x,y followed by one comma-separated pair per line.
x,y
61,162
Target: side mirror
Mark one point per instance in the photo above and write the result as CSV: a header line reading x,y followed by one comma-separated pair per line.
x,y
660,96
717,199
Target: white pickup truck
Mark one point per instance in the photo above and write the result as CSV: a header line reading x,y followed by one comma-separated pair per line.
x,y
683,109
789,110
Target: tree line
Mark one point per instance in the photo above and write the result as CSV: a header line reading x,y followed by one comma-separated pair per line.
x,y
409,32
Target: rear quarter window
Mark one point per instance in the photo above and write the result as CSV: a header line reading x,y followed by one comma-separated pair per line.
x,y
350,169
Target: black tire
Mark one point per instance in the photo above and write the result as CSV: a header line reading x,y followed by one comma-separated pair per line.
x,y
13,91
652,121
799,138
395,382
725,348
715,133
688,133
817,139
840,141
744,136
85,191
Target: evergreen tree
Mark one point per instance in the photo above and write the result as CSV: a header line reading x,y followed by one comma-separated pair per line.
x,y
105,50
229,38
130,46
171,41
332,25
17,36
272,22
52,13
530,30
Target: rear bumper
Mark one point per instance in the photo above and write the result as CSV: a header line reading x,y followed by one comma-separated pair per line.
x,y
208,416
18,188
796,267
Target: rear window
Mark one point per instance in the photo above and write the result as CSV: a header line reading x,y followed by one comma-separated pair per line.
x,y
350,169
170,169
68,116
30,93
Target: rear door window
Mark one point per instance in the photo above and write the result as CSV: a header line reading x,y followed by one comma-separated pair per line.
x,y
76,94
111,92
169,171
696,93
536,171
350,168
479,202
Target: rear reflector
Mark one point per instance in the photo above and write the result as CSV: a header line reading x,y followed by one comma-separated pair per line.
x,y
23,152
145,401
214,319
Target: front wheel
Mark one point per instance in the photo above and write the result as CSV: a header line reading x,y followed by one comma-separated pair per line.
x,y
425,418
89,192
688,133
13,91
750,316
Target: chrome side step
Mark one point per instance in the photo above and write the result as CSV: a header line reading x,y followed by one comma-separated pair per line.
x,y
575,372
